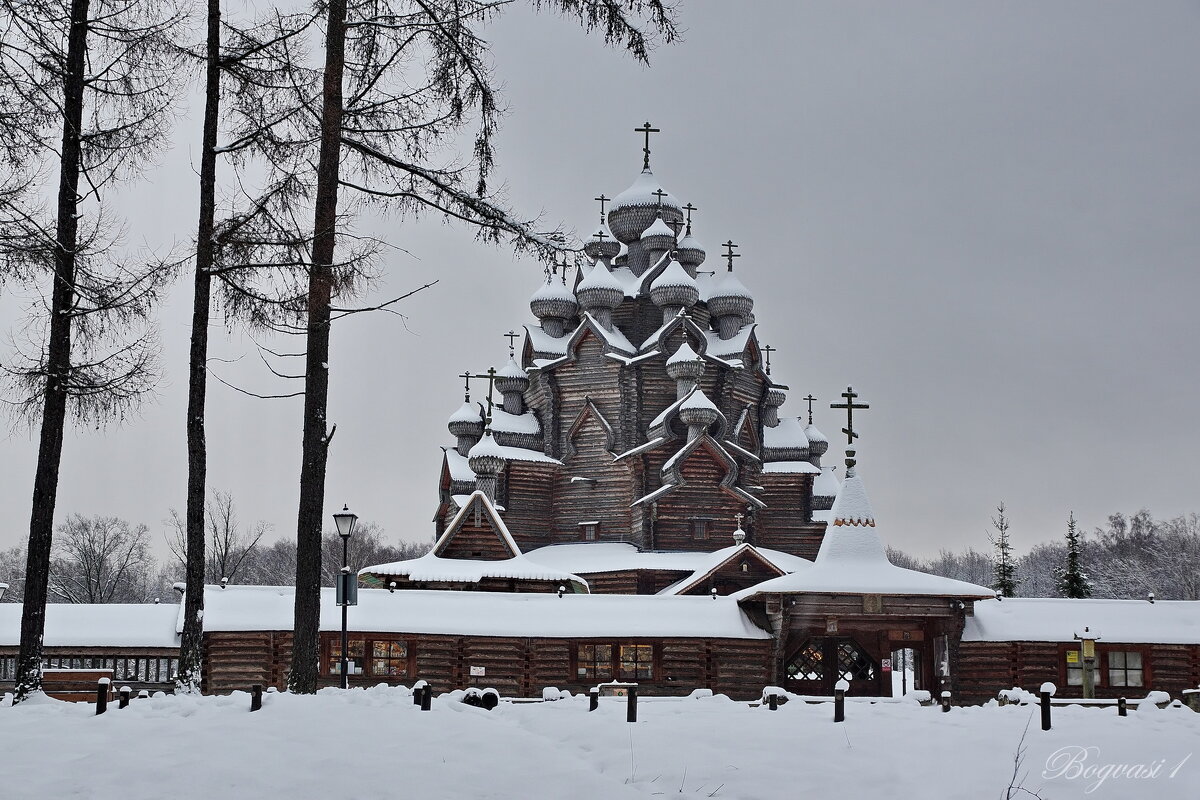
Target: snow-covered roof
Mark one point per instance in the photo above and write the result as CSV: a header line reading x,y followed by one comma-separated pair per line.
x,y
543,342
599,278
1051,619
852,559
698,399
430,568
727,284
826,484
272,608
673,275
511,370
793,467
733,346
612,337
659,228
515,423
788,563
642,193
467,412
488,446
684,353
98,625
553,290
814,434
587,558
789,434
460,470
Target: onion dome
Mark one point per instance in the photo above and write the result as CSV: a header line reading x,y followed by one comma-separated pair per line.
x,y
775,398
728,297
825,489
659,237
599,289
602,245
467,421
817,443
487,456
685,364
674,288
553,299
512,378
689,252
634,209
698,412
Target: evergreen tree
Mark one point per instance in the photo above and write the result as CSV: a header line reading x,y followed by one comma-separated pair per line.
x,y
1072,580
1005,582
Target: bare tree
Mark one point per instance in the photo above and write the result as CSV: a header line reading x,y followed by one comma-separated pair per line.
x,y
12,572
399,82
92,83
230,548
101,560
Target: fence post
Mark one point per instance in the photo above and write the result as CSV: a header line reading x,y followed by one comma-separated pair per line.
x,y
631,705
426,697
773,701
255,697
416,691
593,698
125,693
839,701
1047,691
945,701
102,695
1122,710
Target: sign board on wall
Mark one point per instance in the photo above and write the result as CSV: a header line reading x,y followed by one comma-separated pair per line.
x,y
478,672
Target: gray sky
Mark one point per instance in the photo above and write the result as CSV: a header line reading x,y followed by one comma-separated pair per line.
x,y
981,215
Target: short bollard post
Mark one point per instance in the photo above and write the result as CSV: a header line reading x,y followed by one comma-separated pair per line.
x,y
416,691
1122,710
945,701
631,705
125,694
839,701
773,701
426,697
102,695
1047,691
255,697
144,694
593,699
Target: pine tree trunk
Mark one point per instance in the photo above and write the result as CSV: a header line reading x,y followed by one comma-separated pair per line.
x,y
191,641
306,642
58,366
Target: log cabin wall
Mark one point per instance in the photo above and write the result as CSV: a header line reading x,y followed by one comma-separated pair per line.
x,y
785,524
528,516
592,487
700,497
515,666
987,667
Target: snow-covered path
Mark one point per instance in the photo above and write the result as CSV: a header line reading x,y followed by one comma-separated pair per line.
x,y
377,743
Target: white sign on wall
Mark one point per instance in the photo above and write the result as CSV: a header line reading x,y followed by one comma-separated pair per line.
x,y
478,672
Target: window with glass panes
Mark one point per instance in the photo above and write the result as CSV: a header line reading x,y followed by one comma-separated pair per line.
x,y
1124,667
594,662
389,658
637,662
354,652
1074,668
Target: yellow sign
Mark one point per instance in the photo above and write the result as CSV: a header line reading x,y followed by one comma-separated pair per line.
x,y
1072,656
1089,648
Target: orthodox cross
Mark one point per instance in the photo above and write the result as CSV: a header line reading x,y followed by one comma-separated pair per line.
x,y
850,406
767,350
660,194
689,208
512,336
490,377
646,129
739,517
466,376
810,400
731,255
602,200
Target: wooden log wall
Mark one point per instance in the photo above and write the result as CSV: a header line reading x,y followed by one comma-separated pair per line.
x,y
785,523
606,498
528,514
237,661
700,496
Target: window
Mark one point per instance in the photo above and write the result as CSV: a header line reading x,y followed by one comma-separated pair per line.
x,y
588,530
389,658
594,662
700,527
1124,668
637,662
1074,668
603,661
354,653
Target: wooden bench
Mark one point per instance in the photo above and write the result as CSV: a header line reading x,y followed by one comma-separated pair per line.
x,y
75,685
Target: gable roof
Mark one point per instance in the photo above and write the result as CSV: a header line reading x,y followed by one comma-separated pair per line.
x,y
476,499
722,558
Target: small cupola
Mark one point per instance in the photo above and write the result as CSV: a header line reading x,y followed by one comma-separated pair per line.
x,y
599,293
685,368
554,304
602,246
689,251
729,302
486,460
674,290
512,381
698,413
774,399
466,425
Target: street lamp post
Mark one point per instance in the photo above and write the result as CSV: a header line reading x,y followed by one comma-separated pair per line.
x,y
344,521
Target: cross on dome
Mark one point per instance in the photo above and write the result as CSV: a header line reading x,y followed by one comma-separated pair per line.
x,y
602,200
490,377
810,400
466,376
767,350
646,129
512,336
729,246
689,208
851,434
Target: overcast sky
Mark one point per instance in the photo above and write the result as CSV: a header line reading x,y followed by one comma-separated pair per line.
x,y
982,215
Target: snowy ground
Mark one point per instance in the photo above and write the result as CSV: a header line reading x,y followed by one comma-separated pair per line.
x,y
375,742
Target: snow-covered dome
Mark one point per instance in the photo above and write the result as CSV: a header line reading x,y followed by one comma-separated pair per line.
x,y
817,443
659,236
511,378
602,244
634,209
785,441
487,456
826,485
689,251
599,289
674,287
553,299
775,398
466,421
698,410
728,297
685,364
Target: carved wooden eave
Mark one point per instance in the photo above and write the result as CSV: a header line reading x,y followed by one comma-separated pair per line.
x,y
743,552
672,471
589,411
478,506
